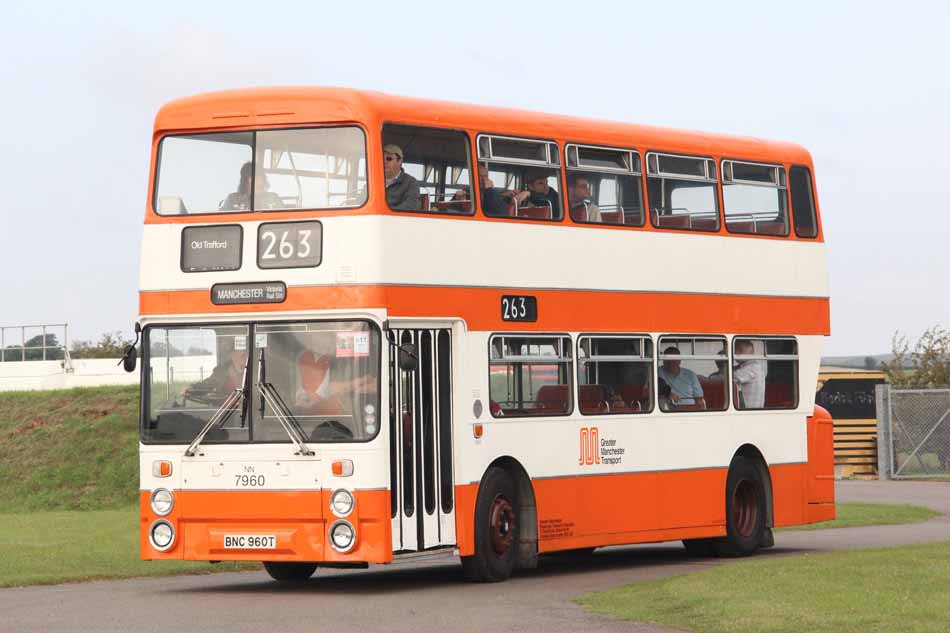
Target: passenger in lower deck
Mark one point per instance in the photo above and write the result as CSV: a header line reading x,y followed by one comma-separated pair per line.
x,y
683,383
579,197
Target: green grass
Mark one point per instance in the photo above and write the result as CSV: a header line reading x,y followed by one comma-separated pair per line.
x,y
53,547
874,591
74,449
864,514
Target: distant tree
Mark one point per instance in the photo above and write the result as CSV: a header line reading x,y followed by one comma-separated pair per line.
x,y
110,345
926,367
870,362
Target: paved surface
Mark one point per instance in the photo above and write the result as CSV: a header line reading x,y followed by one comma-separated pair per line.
x,y
423,596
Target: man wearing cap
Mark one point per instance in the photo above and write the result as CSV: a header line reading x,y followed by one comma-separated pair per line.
x,y
402,190
539,194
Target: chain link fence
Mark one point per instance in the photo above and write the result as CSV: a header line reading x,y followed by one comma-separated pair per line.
x,y
913,432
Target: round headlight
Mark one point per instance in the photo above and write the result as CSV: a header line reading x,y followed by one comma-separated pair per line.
x,y
162,502
162,535
342,502
342,536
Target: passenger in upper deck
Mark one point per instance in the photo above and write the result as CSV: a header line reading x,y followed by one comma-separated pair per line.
x,y
579,196
539,193
495,200
402,190
263,199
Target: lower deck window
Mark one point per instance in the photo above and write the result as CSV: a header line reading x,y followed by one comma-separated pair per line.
x,y
765,373
693,374
530,375
615,375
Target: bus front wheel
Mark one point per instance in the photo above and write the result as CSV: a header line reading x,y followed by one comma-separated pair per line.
x,y
496,529
745,510
290,572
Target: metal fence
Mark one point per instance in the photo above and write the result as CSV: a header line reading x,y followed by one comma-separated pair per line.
x,y
47,341
913,432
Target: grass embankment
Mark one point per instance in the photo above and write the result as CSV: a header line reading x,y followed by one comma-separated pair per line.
x,y
74,449
864,514
874,591
69,473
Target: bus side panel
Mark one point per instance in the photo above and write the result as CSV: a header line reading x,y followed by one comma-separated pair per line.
x,y
465,496
821,467
788,493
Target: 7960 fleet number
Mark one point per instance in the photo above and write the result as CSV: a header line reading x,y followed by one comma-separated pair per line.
x,y
249,481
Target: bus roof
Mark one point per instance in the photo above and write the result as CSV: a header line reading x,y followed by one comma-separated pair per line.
x,y
283,106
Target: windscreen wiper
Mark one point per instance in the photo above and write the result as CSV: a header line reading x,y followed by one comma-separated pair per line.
x,y
271,397
236,399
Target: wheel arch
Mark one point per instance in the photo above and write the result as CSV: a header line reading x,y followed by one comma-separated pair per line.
x,y
527,510
751,452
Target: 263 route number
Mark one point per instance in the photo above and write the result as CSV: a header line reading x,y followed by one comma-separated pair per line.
x,y
289,244
519,308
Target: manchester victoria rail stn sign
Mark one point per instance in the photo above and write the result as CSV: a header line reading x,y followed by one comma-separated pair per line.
x,y
266,292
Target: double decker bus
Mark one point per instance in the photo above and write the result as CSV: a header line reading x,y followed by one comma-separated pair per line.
x,y
377,327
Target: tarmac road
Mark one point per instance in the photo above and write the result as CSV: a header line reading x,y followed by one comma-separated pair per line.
x,y
424,596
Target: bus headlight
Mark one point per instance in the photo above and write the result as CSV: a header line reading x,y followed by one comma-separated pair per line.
x,y
342,502
342,536
162,502
161,535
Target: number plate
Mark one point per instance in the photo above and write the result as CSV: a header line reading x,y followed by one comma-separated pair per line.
x,y
519,308
289,244
250,541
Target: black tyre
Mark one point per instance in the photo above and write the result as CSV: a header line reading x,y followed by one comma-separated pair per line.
x,y
745,510
699,547
496,529
290,572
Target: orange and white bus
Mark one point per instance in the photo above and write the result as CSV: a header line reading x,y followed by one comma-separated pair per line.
x,y
377,326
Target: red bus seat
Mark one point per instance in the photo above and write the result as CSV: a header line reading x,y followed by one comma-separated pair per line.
x,y
704,224
714,392
779,395
425,201
554,398
673,221
593,398
636,395
536,213
454,206
611,217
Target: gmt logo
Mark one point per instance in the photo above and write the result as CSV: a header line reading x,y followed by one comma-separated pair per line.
x,y
597,450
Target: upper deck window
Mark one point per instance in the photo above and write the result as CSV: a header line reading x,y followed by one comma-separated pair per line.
x,y
803,202
603,185
437,160
754,198
230,172
519,177
682,192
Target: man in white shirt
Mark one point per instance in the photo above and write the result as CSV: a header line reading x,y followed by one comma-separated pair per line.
x,y
749,375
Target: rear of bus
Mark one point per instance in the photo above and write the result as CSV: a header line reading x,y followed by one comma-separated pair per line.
x,y
260,435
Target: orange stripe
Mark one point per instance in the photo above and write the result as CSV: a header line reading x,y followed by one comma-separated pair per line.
x,y
558,310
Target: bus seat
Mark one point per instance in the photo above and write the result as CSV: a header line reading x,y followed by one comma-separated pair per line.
x,y
593,398
633,218
611,217
772,228
171,205
424,199
673,221
536,213
553,398
454,206
779,395
704,224
714,392
741,227
635,395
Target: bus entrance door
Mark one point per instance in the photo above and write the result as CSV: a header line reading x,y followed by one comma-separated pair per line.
x,y
420,402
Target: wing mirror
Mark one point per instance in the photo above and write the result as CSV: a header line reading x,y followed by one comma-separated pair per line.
x,y
130,356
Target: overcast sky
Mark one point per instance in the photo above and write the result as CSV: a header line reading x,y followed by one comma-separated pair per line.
x,y
864,86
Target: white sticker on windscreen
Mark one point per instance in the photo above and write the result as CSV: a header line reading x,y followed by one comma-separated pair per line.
x,y
240,343
260,341
352,344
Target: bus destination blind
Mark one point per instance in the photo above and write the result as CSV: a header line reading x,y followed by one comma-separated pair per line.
x,y
263,292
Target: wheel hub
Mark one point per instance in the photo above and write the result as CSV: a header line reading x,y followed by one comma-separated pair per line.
x,y
502,523
745,508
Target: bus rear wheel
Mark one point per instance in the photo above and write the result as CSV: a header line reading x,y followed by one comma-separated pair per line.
x,y
290,572
745,510
496,529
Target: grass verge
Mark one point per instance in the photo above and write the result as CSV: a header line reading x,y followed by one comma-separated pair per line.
x,y
903,589
53,547
864,514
